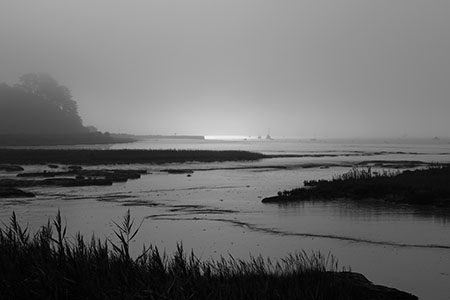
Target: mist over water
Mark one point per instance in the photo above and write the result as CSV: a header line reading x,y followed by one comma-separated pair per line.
x,y
324,69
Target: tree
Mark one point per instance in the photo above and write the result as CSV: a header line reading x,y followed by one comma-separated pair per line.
x,y
38,105
47,88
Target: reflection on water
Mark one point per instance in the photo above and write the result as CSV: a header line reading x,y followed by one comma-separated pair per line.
x,y
218,211
366,221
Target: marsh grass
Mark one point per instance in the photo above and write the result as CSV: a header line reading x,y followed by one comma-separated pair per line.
x,y
49,265
127,156
421,186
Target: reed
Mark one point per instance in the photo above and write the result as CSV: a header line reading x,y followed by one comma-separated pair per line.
x,y
426,186
49,265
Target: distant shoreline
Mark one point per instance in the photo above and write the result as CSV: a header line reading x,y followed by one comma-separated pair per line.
x,y
92,138
156,137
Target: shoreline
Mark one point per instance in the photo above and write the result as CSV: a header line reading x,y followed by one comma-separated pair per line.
x,y
69,139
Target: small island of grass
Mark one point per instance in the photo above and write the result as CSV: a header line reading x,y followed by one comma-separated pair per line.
x,y
75,175
427,186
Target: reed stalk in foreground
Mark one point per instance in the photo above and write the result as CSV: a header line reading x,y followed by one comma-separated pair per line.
x,y
49,265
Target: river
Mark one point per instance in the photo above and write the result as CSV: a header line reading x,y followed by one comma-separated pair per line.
x,y
217,211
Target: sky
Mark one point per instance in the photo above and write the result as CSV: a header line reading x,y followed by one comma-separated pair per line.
x,y
337,68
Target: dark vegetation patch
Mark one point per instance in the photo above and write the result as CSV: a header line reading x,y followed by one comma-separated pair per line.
x,y
116,197
199,209
100,157
421,186
11,192
75,176
113,175
48,265
178,171
40,111
88,138
141,203
10,168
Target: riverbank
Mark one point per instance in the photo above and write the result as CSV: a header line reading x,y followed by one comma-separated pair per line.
x,y
104,157
50,265
427,186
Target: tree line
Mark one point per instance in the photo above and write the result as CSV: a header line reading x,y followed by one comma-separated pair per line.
x,y
38,105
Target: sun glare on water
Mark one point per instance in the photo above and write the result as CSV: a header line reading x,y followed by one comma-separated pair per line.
x,y
230,137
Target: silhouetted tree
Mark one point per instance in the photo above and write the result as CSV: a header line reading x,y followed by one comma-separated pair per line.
x,y
38,105
46,87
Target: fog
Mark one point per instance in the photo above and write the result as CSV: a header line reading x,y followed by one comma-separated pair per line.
x,y
299,68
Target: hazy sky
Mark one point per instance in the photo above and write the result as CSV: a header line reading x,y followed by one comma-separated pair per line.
x,y
301,68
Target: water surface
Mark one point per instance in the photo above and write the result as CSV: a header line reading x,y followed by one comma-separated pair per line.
x,y
218,210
